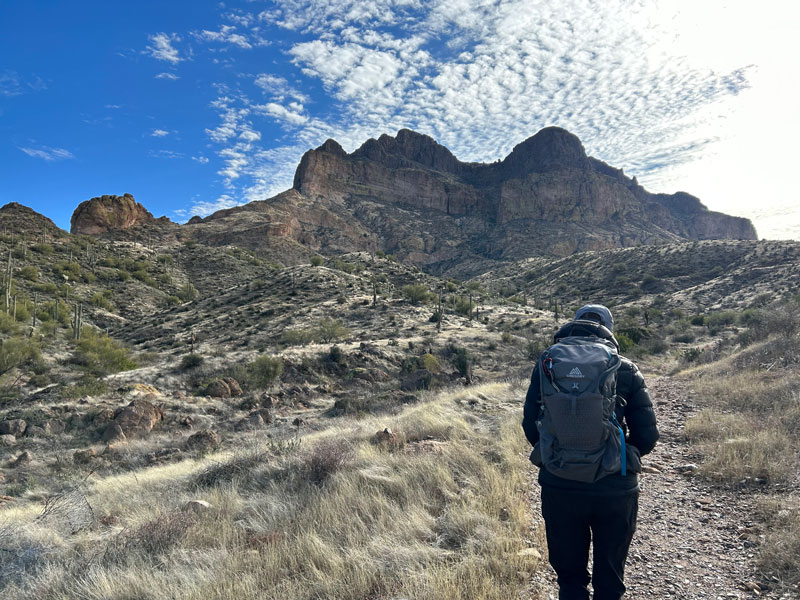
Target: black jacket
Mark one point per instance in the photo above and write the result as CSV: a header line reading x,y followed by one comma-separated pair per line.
x,y
635,414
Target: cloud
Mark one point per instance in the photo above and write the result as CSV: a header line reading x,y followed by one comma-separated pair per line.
x,y
479,76
47,153
205,208
159,133
226,35
168,154
201,159
278,88
165,75
12,84
161,47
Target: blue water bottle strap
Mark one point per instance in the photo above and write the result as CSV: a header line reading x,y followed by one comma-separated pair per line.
x,y
624,456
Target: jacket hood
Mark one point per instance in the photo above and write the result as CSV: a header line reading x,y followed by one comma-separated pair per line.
x,y
581,328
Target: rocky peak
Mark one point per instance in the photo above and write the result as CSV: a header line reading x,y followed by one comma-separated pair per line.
x,y
106,213
550,149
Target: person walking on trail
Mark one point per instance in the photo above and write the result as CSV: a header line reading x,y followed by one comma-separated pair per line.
x,y
589,417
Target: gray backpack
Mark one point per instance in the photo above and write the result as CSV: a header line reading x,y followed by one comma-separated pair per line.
x,y
579,436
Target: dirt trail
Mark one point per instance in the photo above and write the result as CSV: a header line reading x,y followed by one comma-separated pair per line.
x,y
693,541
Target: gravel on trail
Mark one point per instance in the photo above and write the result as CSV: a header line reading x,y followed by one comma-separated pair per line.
x,y
693,540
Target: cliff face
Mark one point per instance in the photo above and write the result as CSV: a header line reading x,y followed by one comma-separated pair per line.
x,y
107,213
547,197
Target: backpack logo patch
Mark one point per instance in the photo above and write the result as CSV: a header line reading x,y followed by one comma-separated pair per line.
x,y
576,373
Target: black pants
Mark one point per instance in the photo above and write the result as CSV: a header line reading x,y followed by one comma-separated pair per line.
x,y
572,520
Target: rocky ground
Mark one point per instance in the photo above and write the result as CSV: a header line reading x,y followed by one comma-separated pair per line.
x,y
693,540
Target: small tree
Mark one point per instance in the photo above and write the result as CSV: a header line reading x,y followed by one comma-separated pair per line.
x,y
416,293
329,330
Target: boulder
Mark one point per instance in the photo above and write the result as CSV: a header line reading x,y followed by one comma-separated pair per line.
x,y
204,440
7,440
114,434
218,389
34,431
233,386
388,439
15,427
138,418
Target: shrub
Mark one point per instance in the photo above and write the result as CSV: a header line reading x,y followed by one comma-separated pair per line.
x,y
87,386
101,355
190,361
29,272
265,370
460,358
325,459
507,337
17,352
7,324
429,362
101,300
316,260
626,344
123,275
188,293
329,330
297,337
416,293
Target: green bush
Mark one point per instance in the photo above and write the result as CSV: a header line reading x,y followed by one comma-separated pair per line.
x,y
626,344
316,260
329,330
101,355
265,370
297,337
188,293
87,386
7,324
123,275
190,361
29,272
102,300
18,352
416,293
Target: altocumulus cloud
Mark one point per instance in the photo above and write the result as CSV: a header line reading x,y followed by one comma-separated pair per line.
x,y
161,47
480,77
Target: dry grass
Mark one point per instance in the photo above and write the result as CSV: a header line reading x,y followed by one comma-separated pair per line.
x,y
441,517
779,555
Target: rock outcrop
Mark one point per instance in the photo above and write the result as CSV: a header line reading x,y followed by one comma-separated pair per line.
x,y
108,213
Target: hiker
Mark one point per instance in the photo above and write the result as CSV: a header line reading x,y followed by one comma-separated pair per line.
x,y
588,439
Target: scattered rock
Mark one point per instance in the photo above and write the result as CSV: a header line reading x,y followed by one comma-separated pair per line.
x,y
233,386
218,389
650,469
204,440
266,414
34,431
389,439
252,421
15,427
142,389
163,455
54,427
532,553
688,469
82,457
7,440
23,459
298,422
504,514
197,506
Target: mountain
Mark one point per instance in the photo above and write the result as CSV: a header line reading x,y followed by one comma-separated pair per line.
x,y
18,219
411,197
110,213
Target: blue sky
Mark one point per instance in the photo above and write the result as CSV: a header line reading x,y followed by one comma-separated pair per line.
x,y
196,106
